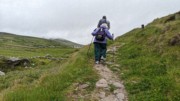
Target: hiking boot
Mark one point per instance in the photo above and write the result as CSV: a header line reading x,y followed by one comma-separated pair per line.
x,y
102,58
97,62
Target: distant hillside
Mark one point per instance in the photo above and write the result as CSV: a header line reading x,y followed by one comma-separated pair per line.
x,y
149,60
68,43
26,41
12,45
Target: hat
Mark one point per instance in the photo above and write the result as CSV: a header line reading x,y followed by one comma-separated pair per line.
x,y
104,25
104,17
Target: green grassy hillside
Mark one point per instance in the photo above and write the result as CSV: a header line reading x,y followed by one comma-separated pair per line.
x,y
20,46
54,68
149,62
12,39
52,82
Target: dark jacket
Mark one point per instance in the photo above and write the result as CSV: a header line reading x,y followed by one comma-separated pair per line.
x,y
104,21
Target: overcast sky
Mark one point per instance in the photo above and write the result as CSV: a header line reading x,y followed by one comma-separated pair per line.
x,y
74,20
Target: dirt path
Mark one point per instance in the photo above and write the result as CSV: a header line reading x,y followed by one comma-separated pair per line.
x,y
109,87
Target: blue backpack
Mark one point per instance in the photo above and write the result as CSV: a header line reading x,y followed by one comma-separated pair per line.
x,y
101,35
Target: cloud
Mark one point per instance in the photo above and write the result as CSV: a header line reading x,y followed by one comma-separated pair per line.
x,y
76,19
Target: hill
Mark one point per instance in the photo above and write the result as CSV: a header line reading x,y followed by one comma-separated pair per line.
x,y
68,43
50,69
46,74
17,49
18,40
146,59
149,60
24,46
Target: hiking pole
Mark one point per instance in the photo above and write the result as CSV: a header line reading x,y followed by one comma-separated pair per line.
x,y
113,49
90,46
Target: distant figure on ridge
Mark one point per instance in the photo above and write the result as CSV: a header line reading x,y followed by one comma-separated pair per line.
x,y
142,26
100,42
102,21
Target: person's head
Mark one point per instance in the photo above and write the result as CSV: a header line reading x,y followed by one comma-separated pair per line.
x,y
104,17
104,25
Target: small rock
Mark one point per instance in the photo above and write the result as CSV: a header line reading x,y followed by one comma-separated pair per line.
x,y
110,98
102,83
117,91
175,40
102,95
120,96
13,59
109,50
118,85
2,73
83,86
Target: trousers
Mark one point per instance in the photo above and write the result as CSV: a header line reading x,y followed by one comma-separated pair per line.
x,y
100,50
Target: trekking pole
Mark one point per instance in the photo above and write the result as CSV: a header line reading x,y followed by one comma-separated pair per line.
x,y
90,46
113,49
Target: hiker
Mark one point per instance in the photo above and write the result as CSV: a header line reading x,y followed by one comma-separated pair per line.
x,y
103,20
100,42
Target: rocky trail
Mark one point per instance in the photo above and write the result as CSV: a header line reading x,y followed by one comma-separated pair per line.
x,y
109,87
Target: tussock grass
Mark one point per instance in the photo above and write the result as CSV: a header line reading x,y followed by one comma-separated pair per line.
x,y
149,66
54,83
46,80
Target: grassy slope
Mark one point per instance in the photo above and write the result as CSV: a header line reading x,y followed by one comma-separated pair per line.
x,y
149,66
50,82
47,80
23,46
11,39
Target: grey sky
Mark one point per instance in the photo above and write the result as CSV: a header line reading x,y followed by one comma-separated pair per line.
x,y
76,19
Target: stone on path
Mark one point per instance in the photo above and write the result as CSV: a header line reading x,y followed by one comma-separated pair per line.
x,y
2,73
110,98
102,83
120,96
83,86
107,77
118,85
102,95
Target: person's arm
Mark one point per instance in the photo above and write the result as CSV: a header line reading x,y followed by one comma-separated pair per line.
x,y
108,23
99,24
95,31
109,34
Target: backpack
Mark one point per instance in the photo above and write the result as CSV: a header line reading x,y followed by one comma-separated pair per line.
x,y
101,35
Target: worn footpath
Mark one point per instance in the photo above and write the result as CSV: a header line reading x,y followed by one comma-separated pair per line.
x,y
109,87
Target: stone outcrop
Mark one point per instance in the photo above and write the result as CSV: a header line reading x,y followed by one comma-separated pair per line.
x,y
175,40
13,62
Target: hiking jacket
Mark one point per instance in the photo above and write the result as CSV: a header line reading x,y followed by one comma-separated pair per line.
x,y
108,35
104,21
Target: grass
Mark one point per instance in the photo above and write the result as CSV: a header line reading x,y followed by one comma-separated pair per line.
x,y
149,66
46,80
26,52
52,83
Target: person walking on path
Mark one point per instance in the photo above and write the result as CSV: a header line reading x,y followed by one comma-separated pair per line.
x,y
102,21
100,42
